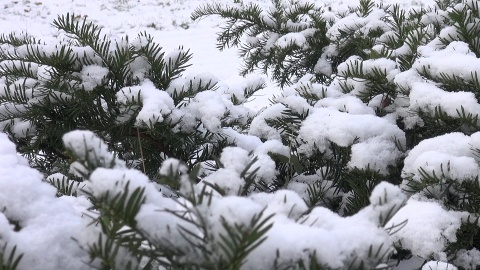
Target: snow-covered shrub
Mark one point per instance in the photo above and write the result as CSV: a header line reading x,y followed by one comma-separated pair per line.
x,y
121,220
129,92
379,109
67,106
376,92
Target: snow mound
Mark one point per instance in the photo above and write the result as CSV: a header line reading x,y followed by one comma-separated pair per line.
x,y
42,220
429,228
373,139
451,156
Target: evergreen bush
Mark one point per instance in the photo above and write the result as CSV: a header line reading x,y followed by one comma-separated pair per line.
x,y
368,156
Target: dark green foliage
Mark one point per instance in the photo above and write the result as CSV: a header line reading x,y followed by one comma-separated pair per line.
x,y
60,103
287,63
239,241
9,258
466,23
288,124
407,30
66,186
468,237
441,123
359,189
116,214
454,195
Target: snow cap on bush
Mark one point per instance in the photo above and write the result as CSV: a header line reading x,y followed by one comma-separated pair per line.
x,y
87,146
451,155
373,139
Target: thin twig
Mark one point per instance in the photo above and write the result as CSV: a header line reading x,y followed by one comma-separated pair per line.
x,y
141,150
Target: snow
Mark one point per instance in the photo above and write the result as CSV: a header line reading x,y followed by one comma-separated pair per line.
x,y
319,227
468,259
284,202
45,220
386,195
237,165
291,38
387,66
243,89
295,103
349,104
160,226
235,159
192,83
343,229
22,129
171,165
434,17
259,126
244,141
455,60
229,181
429,227
434,265
323,67
338,117
273,146
372,147
85,145
407,79
429,98
354,22
450,156
209,108
156,103
93,76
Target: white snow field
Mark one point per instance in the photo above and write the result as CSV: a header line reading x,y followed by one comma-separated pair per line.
x,y
428,231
